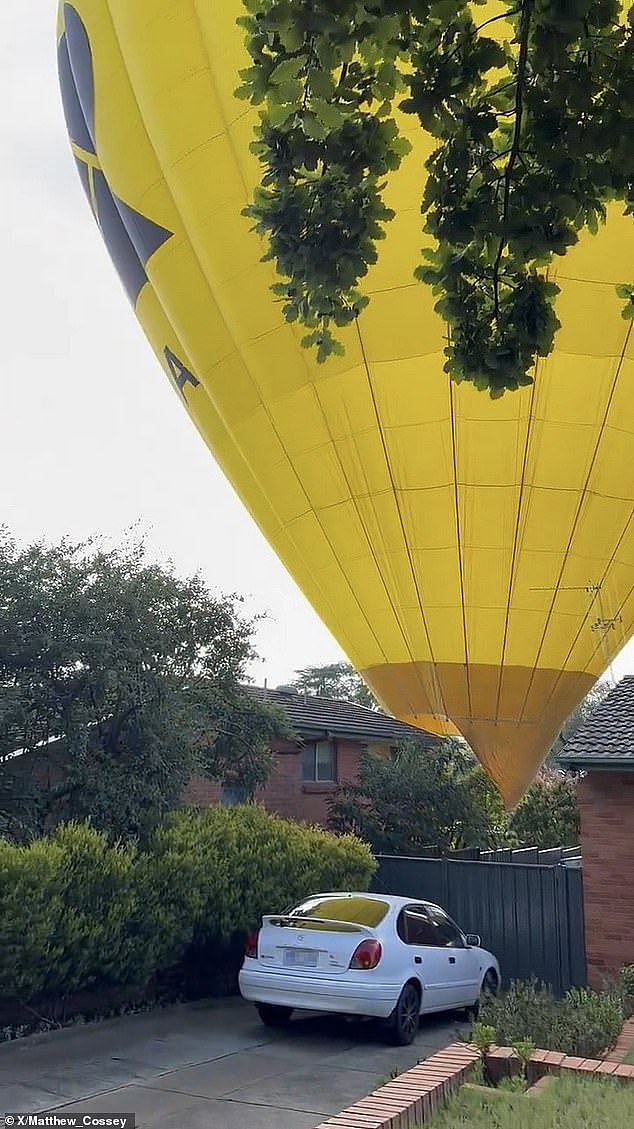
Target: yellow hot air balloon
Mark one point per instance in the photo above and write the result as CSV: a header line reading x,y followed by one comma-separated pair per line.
x,y
474,558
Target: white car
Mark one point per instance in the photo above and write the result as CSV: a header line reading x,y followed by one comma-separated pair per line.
x,y
367,955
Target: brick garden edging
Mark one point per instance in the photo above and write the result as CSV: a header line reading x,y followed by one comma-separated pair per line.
x,y
624,1043
414,1096
502,1062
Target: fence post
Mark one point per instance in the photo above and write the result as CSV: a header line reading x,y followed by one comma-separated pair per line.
x,y
445,881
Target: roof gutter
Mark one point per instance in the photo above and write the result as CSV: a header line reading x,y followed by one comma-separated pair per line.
x,y
604,764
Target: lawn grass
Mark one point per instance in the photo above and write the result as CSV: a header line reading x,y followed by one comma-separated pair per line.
x,y
567,1103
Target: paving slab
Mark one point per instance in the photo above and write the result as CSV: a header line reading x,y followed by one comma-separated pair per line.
x,y
147,1103
219,1114
310,1090
224,1075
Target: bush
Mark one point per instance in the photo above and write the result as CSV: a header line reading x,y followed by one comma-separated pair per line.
x,y
76,912
584,1023
626,984
243,862
30,915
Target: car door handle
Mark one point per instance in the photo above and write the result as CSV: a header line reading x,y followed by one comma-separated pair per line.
x,y
418,960
452,960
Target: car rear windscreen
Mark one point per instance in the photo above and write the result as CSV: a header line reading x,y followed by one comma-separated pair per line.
x,y
360,910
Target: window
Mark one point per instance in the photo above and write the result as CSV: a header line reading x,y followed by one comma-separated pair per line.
x,y
356,908
423,925
230,796
415,928
447,934
318,762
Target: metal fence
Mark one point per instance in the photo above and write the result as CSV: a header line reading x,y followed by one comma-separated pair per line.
x,y
530,916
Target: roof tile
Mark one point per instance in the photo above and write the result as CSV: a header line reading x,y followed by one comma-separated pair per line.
x,y
607,737
311,715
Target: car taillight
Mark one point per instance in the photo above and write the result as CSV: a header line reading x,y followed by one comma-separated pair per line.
x,y
366,955
251,945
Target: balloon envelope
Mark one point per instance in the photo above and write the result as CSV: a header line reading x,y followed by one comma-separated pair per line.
x,y
474,558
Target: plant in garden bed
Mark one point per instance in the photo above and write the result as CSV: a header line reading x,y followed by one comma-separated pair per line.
x,y
482,1038
532,144
627,988
567,1103
582,1023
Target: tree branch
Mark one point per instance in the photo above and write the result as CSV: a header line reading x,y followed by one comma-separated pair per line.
x,y
524,32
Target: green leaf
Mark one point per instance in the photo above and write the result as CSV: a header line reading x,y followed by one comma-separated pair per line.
x,y
278,114
286,70
329,115
313,127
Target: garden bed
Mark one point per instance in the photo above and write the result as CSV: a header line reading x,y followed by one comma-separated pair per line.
x,y
568,1102
453,1077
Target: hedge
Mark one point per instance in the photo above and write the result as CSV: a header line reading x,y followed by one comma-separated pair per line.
x,y
77,912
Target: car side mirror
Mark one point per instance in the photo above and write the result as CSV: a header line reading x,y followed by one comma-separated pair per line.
x,y
473,941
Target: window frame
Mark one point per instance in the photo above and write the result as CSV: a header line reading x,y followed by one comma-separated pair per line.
x,y
314,779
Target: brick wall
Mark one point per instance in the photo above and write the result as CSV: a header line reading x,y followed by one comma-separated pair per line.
x,y
286,793
606,802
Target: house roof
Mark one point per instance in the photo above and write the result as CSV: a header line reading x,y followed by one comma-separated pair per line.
x,y
606,739
314,716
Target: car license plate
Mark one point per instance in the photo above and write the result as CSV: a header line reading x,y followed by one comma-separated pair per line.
x,y
300,958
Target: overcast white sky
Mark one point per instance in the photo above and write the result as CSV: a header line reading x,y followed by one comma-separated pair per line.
x,y
92,437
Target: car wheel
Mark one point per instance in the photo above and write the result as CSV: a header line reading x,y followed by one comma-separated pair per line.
x,y
403,1022
274,1016
490,986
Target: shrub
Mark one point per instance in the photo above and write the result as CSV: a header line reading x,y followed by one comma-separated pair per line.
x,y
77,912
243,862
584,1023
626,984
30,915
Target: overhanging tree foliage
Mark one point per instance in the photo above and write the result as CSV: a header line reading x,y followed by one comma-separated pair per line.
x,y
533,110
118,680
335,680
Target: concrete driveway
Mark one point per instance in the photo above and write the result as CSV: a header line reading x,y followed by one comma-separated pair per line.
x,y
209,1064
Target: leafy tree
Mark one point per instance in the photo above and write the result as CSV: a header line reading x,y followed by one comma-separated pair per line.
x,y
433,793
427,794
532,143
118,680
548,815
336,680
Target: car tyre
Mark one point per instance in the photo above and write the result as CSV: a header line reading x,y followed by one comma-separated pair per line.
x,y
273,1015
402,1024
490,987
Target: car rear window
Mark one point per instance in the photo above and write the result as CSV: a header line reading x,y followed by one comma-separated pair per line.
x,y
359,910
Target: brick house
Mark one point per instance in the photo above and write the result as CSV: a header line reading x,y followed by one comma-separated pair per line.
x,y
603,749
331,736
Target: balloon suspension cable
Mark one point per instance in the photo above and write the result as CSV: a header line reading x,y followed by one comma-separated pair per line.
x,y
602,626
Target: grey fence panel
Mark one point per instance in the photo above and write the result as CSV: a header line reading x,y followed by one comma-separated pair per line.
x,y
525,854
530,916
